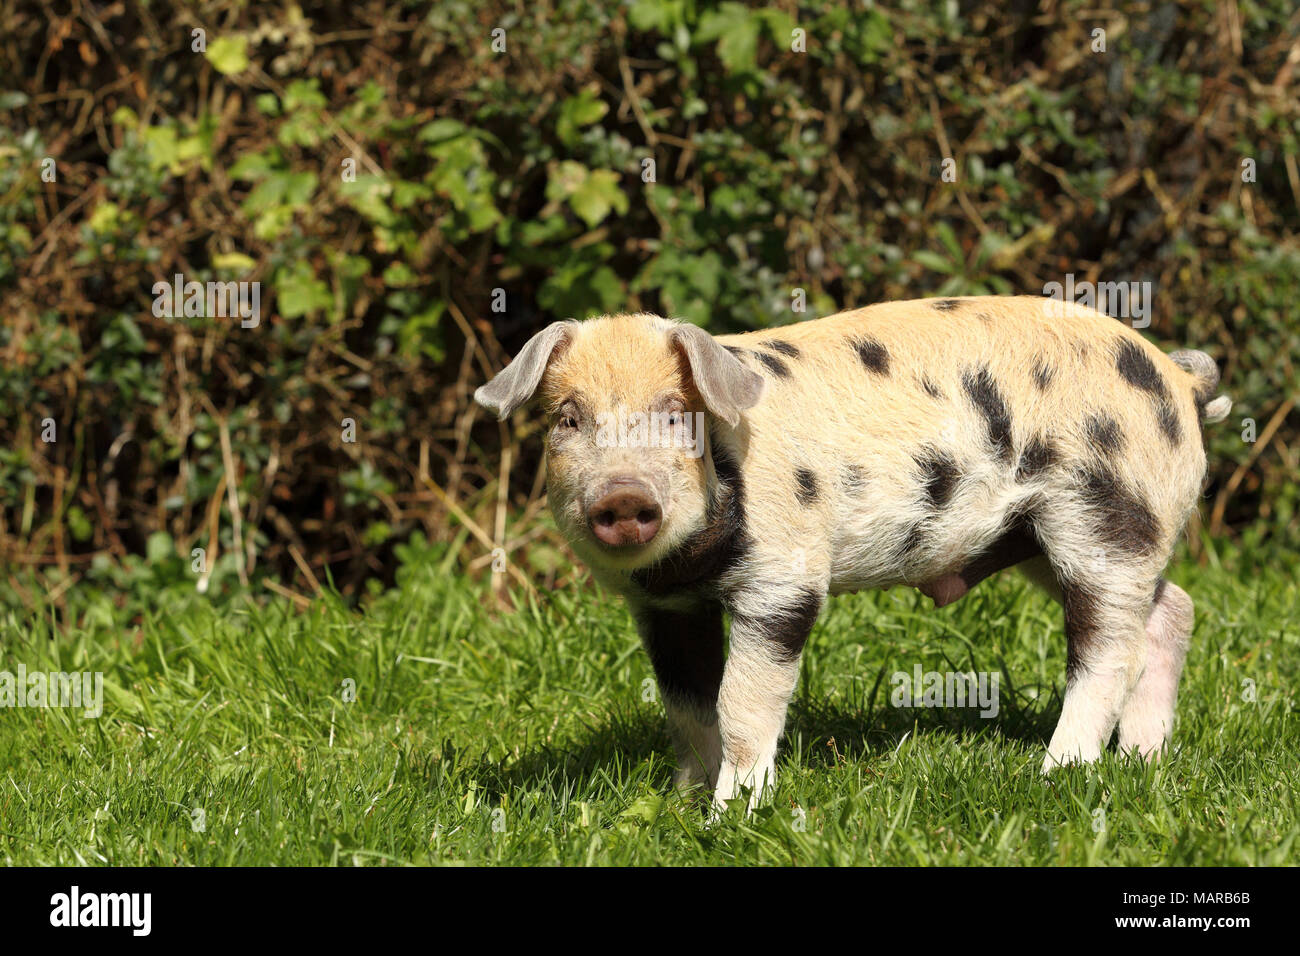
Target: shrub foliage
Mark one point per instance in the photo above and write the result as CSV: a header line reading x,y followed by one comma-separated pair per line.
x,y
416,201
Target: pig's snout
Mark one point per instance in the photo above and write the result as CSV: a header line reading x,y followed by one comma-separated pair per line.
x,y
625,514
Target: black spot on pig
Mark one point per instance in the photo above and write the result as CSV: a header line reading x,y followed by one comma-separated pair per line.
x,y
1038,455
1082,624
1136,368
1043,375
873,355
686,650
1104,433
986,398
931,389
1015,545
806,491
774,364
785,348
945,305
1121,518
939,476
788,629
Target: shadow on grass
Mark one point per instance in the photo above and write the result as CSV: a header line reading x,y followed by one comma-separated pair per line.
x,y
632,737
833,731
627,739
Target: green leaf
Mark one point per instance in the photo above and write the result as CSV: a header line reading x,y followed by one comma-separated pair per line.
x,y
160,142
251,167
463,176
441,130
736,29
105,218
159,547
643,810
304,94
299,292
419,334
579,111
228,54
369,195
933,261
578,290
124,116
592,194
780,27
235,262
79,524
400,275
949,240
660,15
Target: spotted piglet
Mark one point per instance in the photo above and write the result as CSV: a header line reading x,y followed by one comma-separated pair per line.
x,y
927,443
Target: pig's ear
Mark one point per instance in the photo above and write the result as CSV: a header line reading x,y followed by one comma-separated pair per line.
x,y
515,384
727,386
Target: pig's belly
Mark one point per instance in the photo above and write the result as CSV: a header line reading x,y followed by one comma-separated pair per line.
x,y
944,578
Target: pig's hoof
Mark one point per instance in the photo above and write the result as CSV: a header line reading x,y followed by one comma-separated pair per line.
x,y
759,783
1054,761
1151,749
719,807
1144,733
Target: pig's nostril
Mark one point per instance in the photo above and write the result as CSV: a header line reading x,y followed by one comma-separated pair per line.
x,y
627,514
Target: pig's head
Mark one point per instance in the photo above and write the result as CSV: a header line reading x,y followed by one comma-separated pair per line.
x,y
626,397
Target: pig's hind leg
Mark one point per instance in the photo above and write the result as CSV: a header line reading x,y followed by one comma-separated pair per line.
x,y
1148,715
1106,570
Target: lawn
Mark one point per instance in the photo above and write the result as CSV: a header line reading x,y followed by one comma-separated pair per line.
x,y
231,735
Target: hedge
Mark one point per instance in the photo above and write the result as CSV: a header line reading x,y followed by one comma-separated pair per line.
x,y
418,187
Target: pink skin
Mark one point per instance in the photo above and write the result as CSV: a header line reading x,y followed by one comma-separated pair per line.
x,y
944,590
1008,551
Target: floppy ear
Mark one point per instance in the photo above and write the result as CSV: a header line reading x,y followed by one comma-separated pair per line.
x,y
515,384
723,381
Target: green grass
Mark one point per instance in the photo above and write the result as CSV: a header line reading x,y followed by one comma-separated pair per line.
x,y
481,738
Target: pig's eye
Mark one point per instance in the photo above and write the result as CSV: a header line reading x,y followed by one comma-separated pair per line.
x,y
567,422
675,418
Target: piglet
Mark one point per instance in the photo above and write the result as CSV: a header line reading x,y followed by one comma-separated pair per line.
x,y
928,443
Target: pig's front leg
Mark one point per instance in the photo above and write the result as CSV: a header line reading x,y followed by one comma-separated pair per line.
x,y
685,647
768,631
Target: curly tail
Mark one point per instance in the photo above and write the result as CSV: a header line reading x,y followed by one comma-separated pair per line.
x,y
1206,374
